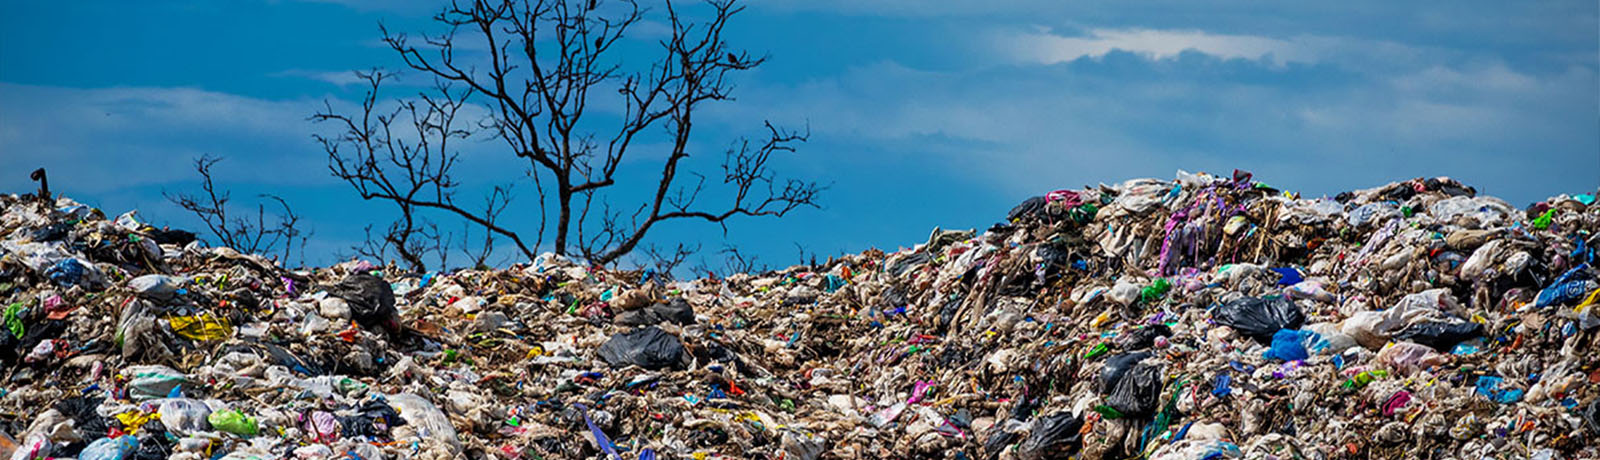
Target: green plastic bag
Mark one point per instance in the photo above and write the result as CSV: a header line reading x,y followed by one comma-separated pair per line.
x,y
13,322
233,421
1155,290
1543,221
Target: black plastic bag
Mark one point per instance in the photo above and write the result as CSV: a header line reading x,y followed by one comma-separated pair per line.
x,y
1024,408
678,311
961,419
1026,208
997,441
172,236
1260,317
947,312
893,298
51,232
649,348
1116,367
1144,337
285,358
1138,393
1440,335
86,422
374,418
902,265
1591,416
371,301
1054,437
85,419
716,353
155,443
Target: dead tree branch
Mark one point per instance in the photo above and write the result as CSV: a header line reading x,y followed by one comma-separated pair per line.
x,y
540,63
241,233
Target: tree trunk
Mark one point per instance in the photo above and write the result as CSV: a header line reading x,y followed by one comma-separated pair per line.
x,y
564,197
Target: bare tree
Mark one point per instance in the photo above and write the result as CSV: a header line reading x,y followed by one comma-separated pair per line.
x,y
478,251
410,168
544,60
734,260
241,233
737,261
666,262
807,258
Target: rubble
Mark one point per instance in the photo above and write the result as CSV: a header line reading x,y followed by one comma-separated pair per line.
x,y
1198,318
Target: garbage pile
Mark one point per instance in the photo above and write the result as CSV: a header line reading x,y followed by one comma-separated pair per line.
x,y
1203,317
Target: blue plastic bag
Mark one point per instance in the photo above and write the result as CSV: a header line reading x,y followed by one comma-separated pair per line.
x,y
67,272
1490,388
116,448
1288,345
1288,276
1571,286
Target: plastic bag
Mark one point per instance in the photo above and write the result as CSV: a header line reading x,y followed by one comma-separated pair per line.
x,y
116,448
801,445
72,272
35,446
1288,276
1311,290
1591,416
1144,337
1441,336
373,418
1000,437
323,426
82,409
1372,213
1430,303
203,327
426,419
1116,367
678,311
1139,391
1124,293
371,300
1260,317
1489,386
1027,208
152,381
1408,358
1289,345
1570,286
156,287
1054,437
233,421
13,319
184,416
139,334
649,348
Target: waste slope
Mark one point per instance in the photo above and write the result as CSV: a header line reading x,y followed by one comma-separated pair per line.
x,y
1200,317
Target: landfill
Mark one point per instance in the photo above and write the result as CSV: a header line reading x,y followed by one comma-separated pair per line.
x,y
1199,317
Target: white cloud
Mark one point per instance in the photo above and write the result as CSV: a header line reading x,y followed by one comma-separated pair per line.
x,y
1042,46
337,78
118,137
1065,125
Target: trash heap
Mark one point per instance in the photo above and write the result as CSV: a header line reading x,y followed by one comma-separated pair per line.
x,y
1203,317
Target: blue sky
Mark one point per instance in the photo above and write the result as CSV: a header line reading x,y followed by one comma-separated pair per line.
x,y
924,113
